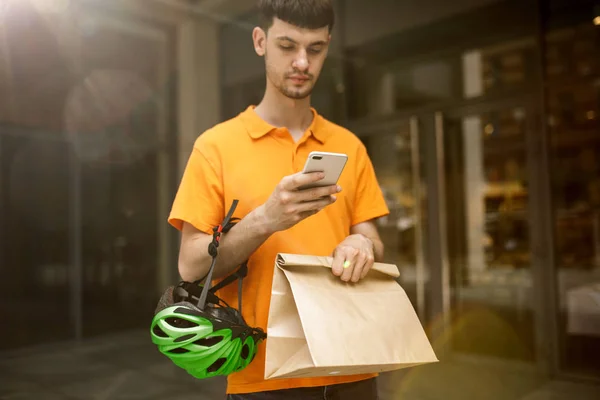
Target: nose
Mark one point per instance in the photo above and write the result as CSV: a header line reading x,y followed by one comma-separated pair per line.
x,y
301,61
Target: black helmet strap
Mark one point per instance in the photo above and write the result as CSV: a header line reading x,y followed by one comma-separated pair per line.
x,y
213,247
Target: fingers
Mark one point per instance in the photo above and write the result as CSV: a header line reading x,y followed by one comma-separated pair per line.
x,y
293,182
302,211
316,205
358,267
317,193
350,263
337,267
343,262
290,194
370,260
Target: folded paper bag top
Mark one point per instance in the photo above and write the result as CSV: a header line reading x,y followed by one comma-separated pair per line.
x,y
295,260
319,325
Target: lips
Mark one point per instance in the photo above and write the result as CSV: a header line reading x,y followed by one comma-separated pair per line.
x,y
298,79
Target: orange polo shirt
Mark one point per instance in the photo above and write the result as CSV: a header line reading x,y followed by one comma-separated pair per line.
x,y
244,158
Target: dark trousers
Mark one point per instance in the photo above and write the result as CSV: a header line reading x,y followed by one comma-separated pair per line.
x,y
362,390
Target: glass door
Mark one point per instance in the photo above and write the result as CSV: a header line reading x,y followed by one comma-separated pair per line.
x,y
489,262
572,99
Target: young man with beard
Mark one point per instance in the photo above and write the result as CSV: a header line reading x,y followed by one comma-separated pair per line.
x,y
257,157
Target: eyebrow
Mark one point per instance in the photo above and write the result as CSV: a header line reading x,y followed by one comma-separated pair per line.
x,y
289,39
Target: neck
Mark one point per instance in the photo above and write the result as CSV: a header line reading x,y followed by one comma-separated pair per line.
x,y
281,111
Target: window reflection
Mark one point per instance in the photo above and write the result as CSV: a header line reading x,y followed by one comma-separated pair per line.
x,y
488,234
574,104
499,69
34,250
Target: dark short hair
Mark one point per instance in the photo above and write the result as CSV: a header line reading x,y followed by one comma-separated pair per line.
x,y
309,14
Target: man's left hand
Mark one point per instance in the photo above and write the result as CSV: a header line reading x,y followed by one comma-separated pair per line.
x,y
353,258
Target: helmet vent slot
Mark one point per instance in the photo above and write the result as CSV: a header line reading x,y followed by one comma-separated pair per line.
x,y
245,351
180,322
184,338
209,342
159,332
179,350
216,365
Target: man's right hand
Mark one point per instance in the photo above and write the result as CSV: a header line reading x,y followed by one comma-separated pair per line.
x,y
288,205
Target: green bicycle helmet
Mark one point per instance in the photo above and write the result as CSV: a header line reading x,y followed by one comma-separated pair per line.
x,y
200,332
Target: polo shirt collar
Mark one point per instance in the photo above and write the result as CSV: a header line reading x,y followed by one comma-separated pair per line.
x,y
257,127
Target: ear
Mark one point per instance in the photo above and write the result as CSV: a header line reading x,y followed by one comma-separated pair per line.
x,y
259,37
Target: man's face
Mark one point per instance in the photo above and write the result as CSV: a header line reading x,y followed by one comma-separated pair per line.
x,y
293,56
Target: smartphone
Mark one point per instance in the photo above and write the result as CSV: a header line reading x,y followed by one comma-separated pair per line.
x,y
332,164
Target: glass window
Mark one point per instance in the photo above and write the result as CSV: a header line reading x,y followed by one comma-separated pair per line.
x,y
491,70
35,255
573,100
488,234
426,82
442,63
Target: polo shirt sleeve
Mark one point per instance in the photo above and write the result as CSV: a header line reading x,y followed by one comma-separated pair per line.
x,y
369,201
199,199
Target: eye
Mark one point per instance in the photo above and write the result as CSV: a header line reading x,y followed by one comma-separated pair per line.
x,y
313,50
286,47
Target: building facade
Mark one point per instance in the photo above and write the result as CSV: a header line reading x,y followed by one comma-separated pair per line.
x,y
481,117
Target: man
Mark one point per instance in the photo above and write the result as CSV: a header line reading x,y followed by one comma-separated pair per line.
x,y
256,158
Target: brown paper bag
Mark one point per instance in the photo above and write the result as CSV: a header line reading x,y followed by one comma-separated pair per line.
x,y
319,325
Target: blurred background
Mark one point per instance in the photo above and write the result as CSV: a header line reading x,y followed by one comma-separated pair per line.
x,y
482,121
